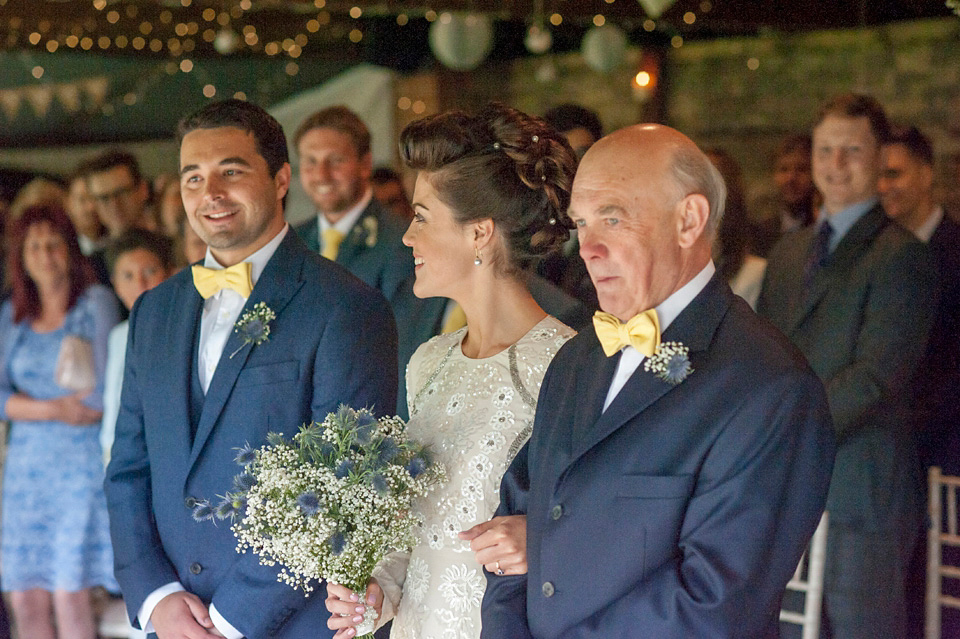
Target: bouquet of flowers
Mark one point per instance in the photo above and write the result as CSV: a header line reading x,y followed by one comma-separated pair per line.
x,y
332,502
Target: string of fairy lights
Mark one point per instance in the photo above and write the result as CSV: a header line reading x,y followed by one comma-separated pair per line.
x,y
181,34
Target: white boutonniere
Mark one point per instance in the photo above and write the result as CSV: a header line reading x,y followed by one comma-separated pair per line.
x,y
671,363
370,226
254,326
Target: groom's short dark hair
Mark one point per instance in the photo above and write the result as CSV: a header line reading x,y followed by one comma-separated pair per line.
x,y
266,131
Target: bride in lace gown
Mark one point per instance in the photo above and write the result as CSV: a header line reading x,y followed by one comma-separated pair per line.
x,y
490,198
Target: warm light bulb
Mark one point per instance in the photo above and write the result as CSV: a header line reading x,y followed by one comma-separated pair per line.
x,y
642,79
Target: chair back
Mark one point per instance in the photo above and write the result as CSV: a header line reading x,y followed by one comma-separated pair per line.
x,y
808,580
941,531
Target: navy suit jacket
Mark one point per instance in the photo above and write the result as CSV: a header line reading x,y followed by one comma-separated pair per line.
x,y
373,250
680,511
333,341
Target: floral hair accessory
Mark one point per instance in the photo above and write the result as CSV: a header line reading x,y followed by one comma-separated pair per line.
x,y
254,326
671,363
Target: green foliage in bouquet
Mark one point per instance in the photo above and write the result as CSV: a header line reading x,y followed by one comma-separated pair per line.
x,y
333,501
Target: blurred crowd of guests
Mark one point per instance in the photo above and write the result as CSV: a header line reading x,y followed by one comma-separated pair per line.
x,y
852,245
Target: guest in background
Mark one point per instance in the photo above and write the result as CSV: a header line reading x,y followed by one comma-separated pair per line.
x,y
581,127
741,270
796,199
82,210
190,247
53,347
170,207
856,293
388,190
119,190
138,260
38,191
906,189
350,227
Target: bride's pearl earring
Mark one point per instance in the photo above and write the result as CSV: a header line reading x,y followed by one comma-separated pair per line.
x,y
479,259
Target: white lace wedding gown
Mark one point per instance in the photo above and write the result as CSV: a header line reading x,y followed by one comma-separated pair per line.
x,y
475,414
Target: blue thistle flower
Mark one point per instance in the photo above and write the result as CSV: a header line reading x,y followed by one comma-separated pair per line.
x,y
230,506
253,330
309,503
245,455
387,451
379,483
244,482
203,511
366,427
344,468
677,368
338,542
417,466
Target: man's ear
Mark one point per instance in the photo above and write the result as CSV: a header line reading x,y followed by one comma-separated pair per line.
x,y
282,180
694,213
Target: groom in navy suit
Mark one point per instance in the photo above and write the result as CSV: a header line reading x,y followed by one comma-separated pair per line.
x,y
670,486
195,390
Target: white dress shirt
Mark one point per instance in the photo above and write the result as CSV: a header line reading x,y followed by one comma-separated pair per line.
x,y
928,228
667,311
220,314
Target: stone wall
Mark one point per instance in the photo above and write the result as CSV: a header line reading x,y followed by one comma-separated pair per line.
x,y
745,94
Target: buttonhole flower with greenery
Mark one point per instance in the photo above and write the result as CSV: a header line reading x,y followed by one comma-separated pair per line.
x,y
671,363
254,326
370,227
331,502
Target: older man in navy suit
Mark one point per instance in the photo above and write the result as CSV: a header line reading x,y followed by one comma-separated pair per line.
x,y
194,390
670,486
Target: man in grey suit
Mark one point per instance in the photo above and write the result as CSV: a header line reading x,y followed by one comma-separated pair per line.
x,y
856,293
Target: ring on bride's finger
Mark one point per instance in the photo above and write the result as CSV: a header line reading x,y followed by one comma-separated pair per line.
x,y
499,569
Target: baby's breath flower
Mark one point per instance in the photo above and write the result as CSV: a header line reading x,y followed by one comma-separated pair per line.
x,y
670,363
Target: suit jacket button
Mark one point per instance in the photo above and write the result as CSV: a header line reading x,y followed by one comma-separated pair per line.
x,y
556,512
196,568
547,589
190,502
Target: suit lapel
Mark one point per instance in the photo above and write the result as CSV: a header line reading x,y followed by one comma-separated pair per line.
x,y
356,240
694,328
277,285
188,307
848,251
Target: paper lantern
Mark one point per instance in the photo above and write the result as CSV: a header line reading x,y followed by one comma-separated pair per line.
x,y
655,8
461,41
538,40
603,48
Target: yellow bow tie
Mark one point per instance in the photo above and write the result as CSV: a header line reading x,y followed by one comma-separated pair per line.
x,y
641,331
209,281
331,243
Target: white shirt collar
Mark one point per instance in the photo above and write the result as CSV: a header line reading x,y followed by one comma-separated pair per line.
x,y
926,230
258,260
345,223
670,308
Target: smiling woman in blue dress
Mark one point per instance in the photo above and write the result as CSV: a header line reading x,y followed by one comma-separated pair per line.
x,y
53,338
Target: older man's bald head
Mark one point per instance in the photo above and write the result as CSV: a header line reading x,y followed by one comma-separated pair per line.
x,y
636,151
641,203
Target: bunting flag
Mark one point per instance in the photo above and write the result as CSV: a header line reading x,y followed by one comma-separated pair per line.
x,y
68,95
40,97
10,100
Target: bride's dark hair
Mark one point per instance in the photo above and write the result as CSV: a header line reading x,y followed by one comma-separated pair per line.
x,y
500,164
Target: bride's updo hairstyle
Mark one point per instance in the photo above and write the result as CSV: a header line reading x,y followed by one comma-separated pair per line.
x,y
500,164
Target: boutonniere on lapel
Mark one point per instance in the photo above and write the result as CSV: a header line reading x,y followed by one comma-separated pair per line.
x,y
671,362
369,227
254,326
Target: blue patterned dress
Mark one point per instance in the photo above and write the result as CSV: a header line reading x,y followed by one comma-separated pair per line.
x,y
55,529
